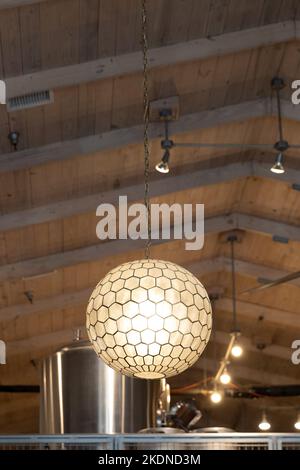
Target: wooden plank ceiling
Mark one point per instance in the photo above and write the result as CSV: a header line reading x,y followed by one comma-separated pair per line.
x,y
50,186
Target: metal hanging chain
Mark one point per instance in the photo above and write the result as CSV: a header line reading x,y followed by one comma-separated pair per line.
x,y
144,42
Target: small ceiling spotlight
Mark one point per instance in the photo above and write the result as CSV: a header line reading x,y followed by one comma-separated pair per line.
x,y
264,425
216,397
225,378
297,423
166,143
162,166
278,165
13,137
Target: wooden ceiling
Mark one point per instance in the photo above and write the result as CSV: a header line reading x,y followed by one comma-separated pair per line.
x,y
218,57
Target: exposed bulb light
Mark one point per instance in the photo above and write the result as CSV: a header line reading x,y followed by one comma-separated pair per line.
x,y
163,165
297,423
264,425
237,350
278,165
216,397
225,378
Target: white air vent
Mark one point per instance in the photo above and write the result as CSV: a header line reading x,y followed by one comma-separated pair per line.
x,y
32,100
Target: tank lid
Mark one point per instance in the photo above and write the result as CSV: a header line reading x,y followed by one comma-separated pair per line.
x,y
80,344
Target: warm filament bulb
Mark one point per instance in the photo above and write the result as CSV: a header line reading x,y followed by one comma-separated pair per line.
x,y
237,350
225,378
216,397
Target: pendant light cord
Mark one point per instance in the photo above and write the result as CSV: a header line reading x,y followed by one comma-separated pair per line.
x,y
146,123
234,316
279,115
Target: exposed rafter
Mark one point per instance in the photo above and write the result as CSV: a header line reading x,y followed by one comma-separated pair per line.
x,y
165,56
251,310
5,4
205,266
134,135
249,374
222,223
86,204
60,338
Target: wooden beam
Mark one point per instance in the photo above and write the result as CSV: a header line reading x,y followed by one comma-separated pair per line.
x,y
272,350
34,344
60,338
290,176
117,138
268,226
8,4
246,268
165,56
85,204
251,310
127,136
205,266
222,223
246,373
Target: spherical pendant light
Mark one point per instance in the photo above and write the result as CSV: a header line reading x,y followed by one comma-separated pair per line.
x,y
149,319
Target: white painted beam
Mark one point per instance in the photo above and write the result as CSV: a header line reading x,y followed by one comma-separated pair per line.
x,y
222,223
164,56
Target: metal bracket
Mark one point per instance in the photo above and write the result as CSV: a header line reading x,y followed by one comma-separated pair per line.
x,y
277,83
164,109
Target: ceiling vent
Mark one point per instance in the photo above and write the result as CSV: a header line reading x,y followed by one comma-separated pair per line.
x,y
31,100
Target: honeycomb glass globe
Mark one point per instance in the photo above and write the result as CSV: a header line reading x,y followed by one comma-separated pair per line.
x,y
149,319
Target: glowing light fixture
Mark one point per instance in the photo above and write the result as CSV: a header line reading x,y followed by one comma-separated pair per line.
x,y
278,165
236,350
225,378
297,423
149,318
163,165
264,425
216,397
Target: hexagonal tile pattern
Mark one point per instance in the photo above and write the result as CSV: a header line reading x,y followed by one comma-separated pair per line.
x,y
149,319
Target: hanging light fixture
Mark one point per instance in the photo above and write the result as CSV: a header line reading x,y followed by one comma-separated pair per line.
x,y
264,425
149,318
216,396
166,143
278,165
297,423
225,378
236,348
163,165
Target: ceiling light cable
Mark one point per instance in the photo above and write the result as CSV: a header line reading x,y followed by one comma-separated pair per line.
x,y
146,124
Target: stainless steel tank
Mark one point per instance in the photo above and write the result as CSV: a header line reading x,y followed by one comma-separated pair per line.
x,y
80,394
